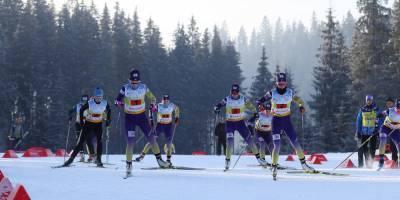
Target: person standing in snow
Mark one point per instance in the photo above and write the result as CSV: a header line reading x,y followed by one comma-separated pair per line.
x,y
97,110
235,121
390,128
132,98
367,126
78,129
165,112
263,129
281,98
16,133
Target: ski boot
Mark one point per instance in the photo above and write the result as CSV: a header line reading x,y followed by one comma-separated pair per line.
x,y
90,159
161,162
169,161
128,168
82,159
381,161
140,158
262,162
274,170
227,164
306,167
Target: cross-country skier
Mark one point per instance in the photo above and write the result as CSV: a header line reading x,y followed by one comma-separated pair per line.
x,y
75,109
263,129
389,104
165,112
97,110
367,125
132,98
390,128
281,99
236,106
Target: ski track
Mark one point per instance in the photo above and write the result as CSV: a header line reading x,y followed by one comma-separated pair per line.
x,y
246,181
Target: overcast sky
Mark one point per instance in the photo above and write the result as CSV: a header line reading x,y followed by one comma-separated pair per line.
x,y
236,13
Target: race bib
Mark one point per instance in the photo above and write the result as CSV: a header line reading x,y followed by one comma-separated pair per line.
x,y
96,115
131,133
281,105
165,116
276,137
136,102
236,111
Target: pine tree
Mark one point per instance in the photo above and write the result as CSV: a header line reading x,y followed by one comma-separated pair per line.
x,y
348,26
394,46
264,80
331,83
369,57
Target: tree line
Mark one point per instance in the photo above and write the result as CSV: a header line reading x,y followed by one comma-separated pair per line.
x,y
48,59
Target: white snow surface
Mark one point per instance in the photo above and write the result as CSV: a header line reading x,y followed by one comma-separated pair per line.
x,y
246,181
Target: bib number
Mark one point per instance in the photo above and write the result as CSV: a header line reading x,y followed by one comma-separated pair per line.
x,y
131,134
276,136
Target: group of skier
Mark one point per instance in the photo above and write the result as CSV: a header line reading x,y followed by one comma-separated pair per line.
x,y
273,119
271,116
91,113
375,125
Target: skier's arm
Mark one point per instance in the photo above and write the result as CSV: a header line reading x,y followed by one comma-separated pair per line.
x,y
108,114
177,113
120,96
264,98
82,111
219,105
250,106
359,122
298,101
150,96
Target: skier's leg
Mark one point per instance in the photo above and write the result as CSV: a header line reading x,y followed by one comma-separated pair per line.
x,y
261,142
82,138
396,141
130,124
384,131
365,149
360,153
167,129
276,139
268,141
248,137
230,129
291,133
98,132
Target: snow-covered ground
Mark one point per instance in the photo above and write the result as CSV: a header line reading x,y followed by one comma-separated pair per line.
x,y
245,182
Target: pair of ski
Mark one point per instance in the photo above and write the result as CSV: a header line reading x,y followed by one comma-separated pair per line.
x,y
128,175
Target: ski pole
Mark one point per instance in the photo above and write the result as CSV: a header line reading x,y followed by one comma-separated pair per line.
x,y
240,155
66,141
362,144
107,140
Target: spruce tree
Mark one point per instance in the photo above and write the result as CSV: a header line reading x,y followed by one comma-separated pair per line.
x,y
331,84
264,80
369,57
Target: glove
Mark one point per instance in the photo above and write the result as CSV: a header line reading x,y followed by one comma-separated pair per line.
x,y
216,110
302,109
118,103
176,120
153,107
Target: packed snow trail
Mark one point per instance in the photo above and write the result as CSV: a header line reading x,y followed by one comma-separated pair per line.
x,y
246,181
